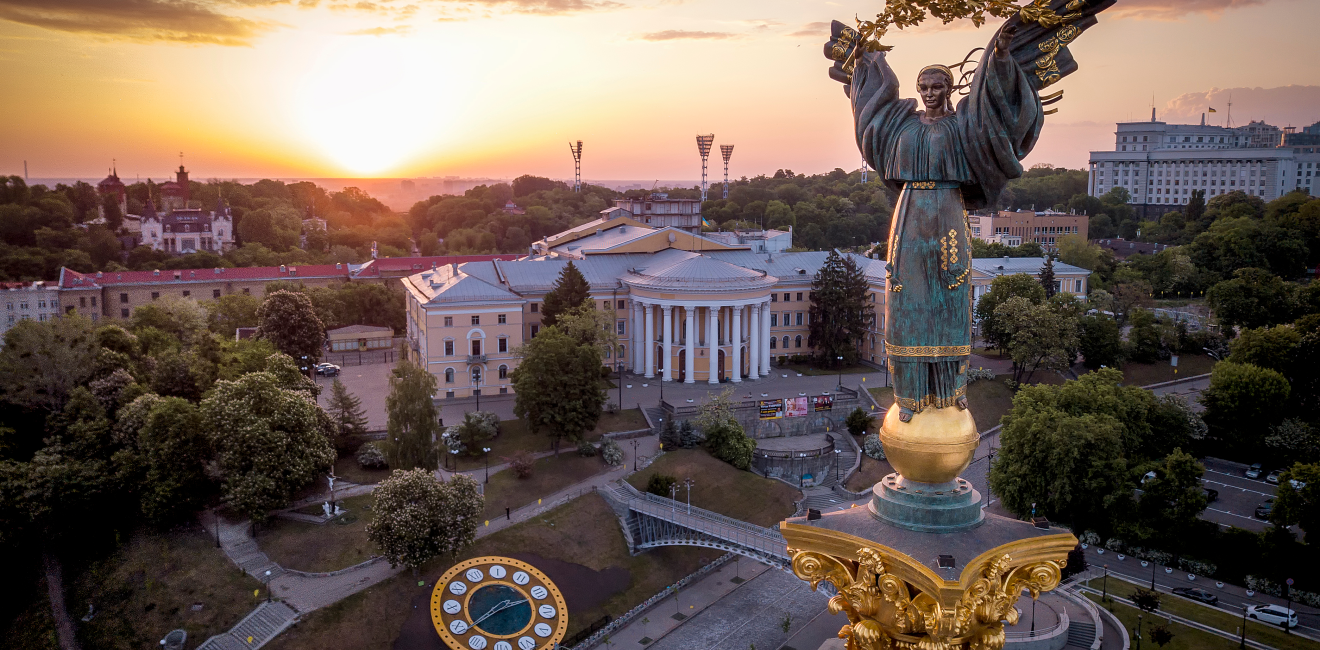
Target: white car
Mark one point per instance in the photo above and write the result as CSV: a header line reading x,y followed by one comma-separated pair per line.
x,y
1272,614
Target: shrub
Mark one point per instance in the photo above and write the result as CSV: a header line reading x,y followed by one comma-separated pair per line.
x,y
727,442
669,435
979,373
660,484
872,447
688,438
1115,544
369,456
1076,562
859,421
1090,538
610,452
1147,600
1263,585
586,449
521,463
1197,567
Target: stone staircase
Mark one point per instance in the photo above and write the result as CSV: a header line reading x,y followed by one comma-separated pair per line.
x,y
248,556
1080,635
821,498
847,457
266,621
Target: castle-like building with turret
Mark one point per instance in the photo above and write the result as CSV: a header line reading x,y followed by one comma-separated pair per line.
x,y
177,226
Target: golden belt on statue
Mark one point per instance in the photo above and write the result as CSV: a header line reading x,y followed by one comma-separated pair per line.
x,y
928,350
932,185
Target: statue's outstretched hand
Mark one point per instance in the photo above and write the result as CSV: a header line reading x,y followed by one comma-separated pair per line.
x,y
839,49
1005,40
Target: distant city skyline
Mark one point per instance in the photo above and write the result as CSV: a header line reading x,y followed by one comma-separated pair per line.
x,y
495,88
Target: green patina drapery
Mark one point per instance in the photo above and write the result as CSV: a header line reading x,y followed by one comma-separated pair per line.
x,y
940,168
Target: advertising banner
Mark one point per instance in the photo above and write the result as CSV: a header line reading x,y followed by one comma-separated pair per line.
x,y
772,409
796,406
822,402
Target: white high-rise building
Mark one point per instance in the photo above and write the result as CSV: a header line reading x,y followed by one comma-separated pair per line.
x,y
1159,164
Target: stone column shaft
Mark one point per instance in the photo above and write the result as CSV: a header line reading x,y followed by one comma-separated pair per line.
x,y
754,343
666,350
689,360
649,343
736,343
712,340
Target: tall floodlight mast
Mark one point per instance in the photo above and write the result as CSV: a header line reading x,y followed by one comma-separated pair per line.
x,y
577,165
726,150
703,147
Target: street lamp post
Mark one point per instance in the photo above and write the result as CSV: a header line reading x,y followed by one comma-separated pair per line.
x,y
216,513
840,360
673,498
1287,610
1242,642
688,482
1104,593
1138,631
802,470
635,443
1152,575
1033,614
836,464
486,452
620,385
268,585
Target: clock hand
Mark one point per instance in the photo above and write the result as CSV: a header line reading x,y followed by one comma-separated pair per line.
x,y
503,605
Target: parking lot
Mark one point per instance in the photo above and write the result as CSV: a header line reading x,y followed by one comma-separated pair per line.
x,y
1238,495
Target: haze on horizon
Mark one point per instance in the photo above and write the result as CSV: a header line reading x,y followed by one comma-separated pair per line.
x,y
405,88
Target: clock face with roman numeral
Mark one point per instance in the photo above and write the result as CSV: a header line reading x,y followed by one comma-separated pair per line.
x,y
498,603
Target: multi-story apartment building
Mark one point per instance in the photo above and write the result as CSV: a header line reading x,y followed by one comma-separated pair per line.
x,y
660,211
1160,164
1067,278
39,301
686,308
1044,228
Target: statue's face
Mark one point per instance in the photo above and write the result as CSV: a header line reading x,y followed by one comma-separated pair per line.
x,y
934,90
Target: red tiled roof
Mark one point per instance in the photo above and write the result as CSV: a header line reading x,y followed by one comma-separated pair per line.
x,y
70,279
374,268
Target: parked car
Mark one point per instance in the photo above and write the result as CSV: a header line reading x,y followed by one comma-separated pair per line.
x,y
1196,594
1150,476
1263,510
1272,614
1211,494
1254,471
327,369
1273,477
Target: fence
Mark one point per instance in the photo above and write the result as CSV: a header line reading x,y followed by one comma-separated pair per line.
x,y
748,413
804,467
360,357
586,633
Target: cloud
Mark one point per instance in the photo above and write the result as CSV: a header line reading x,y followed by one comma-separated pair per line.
x,y
382,31
683,34
1281,106
1175,9
549,7
813,29
182,21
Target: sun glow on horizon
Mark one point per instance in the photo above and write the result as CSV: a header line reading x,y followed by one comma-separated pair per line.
x,y
373,104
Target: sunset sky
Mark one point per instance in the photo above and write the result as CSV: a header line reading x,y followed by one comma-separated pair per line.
x,y
404,88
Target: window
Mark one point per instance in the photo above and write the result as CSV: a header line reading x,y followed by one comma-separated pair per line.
x,y
449,348
797,341
476,320
123,313
23,305
501,319
449,394
476,347
82,302
215,293
622,351
785,342
246,291
504,372
155,295
449,321
187,293
476,376
621,327
536,307
623,304
772,343
798,320
774,297
788,297
449,377
503,344
774,320
607,353
123,298
535,329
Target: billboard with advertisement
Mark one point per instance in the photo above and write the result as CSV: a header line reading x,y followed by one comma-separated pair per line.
x,y
771,409
822,402
796,406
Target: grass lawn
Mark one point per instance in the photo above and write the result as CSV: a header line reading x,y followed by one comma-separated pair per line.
x,y
514,437
988,401
1267,634
1145,374
989,353
329,547
870,473
150,585
812,371
348,469
549,475
583,531
721,488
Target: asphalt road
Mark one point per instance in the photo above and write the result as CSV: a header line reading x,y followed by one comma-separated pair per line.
x,y
1238,495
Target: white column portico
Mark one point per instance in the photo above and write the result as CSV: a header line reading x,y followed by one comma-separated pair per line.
x,y
712,339
666,350
753,345
635,337
690,337
765,339
649,343
736,343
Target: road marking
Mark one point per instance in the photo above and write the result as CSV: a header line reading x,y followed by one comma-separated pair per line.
x,y
1232,514
1235,487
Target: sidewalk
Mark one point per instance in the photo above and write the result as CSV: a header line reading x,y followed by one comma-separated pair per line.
x,y
692,600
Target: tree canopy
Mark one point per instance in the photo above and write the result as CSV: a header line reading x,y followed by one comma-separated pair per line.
x,y
840,314
557,385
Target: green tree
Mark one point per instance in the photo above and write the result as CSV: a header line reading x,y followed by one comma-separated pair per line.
x,y
345,409
1293,441
1144,339
1075,250
226,314
859,421
269,442
1171,503
288,320
1100,343
1047,276
1297,501
1242,401
839,313
174,450
42,362
569,291
413,420
417,518
1043,336
476,428
1252,298
1275,348
726,441
1001,289
557,385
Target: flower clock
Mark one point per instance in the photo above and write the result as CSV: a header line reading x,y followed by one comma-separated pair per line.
x,y
498,603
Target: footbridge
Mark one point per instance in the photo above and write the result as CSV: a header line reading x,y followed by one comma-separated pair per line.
x,y
650,521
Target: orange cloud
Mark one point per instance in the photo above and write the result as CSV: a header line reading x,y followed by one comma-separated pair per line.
x,y
1174,9
681,34
186,21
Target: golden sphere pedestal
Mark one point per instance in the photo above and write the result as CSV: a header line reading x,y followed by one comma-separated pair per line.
x,y
932,447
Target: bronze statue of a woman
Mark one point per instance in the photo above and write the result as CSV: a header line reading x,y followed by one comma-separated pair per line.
x,y
942,162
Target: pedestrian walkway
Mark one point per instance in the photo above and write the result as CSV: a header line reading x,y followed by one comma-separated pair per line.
x,y
257,628
691,601
754,614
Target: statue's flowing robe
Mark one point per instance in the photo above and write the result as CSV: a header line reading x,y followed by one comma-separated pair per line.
x,y
939,170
